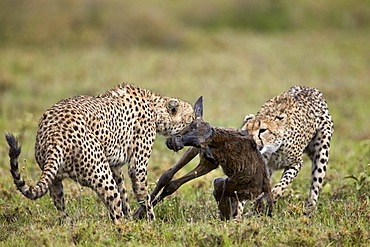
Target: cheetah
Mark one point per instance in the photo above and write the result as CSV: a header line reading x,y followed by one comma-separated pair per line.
x,y
90,138
293,123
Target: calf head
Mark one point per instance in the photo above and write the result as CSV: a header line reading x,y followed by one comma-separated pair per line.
x,y
198,134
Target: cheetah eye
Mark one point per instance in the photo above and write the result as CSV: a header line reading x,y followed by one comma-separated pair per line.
x,y
262,131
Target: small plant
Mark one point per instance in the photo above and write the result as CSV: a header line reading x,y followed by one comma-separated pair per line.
x,y
361,182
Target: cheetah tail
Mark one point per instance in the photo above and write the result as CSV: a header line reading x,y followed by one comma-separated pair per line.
x,y
30,192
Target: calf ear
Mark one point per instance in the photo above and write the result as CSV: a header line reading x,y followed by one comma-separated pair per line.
x,y
173,106
198,108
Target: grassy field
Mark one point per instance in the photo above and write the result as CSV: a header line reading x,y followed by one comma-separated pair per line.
x,y
236,70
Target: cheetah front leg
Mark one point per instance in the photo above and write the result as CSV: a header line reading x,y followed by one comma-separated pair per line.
x,y
289,174
137,169
138,175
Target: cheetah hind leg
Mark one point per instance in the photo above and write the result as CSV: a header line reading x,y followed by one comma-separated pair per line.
x,y
57,194
318,151
119,178
107,190
112,201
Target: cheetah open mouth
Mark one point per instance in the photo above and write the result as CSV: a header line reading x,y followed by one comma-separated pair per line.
x,y
175,143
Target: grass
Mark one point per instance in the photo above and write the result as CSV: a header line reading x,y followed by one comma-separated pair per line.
x,y
236,71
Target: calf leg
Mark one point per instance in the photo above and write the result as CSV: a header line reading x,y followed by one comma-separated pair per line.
x,y
167,176
226,195
219,185
203,168
231,197
264,203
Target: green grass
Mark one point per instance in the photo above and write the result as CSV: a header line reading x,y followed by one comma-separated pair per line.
x,y
236,71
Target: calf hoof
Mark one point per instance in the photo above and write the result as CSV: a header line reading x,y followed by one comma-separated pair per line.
x,y
139,213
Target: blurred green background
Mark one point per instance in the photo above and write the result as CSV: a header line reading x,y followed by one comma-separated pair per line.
x,y
237,54
167,24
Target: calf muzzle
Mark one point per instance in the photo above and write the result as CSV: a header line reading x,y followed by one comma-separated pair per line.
x,y
175,143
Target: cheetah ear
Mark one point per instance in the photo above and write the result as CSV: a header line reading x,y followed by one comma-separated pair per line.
x,y
281,117
173,106
249,116
198,108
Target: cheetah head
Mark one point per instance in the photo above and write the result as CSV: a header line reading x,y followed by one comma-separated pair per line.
x,y
267,131
173,116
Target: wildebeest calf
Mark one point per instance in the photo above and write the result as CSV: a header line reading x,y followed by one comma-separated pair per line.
x,y
235,151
